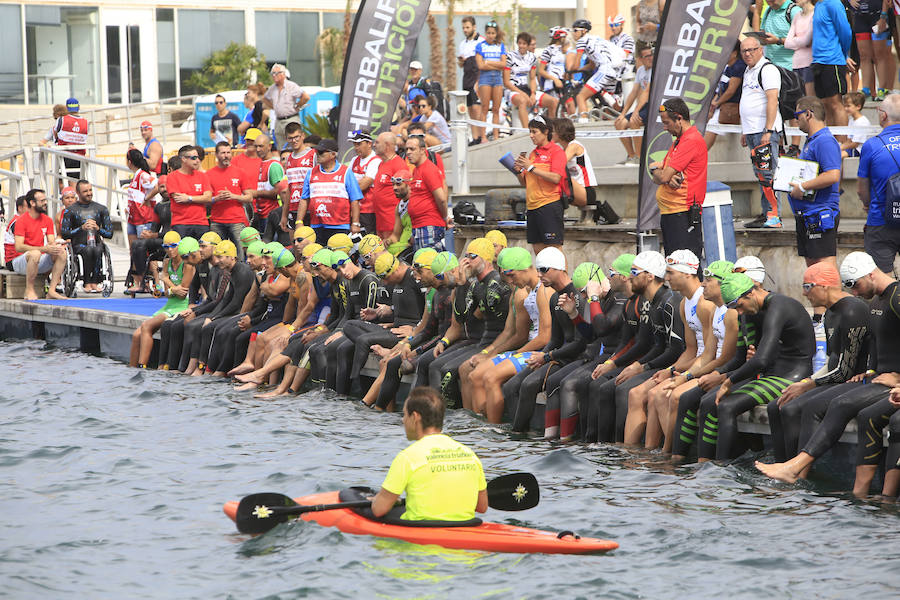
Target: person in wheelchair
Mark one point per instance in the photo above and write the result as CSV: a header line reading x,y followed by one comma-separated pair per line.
x,y
85,224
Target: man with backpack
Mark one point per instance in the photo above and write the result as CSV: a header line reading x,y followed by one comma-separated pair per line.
x,y
879,162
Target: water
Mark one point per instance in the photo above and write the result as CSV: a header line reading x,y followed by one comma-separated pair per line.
x,y
113,479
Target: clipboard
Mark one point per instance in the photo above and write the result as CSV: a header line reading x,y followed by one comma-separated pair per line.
x,y
792,170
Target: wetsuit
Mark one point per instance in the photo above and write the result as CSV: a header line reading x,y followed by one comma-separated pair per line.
x,y
171,334
784,355
407,299
846,341
491,298
239,284
147,249
565,345
76,216
464,307
440,306
667,345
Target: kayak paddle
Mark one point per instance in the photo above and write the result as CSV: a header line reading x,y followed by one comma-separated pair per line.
x,y
258,513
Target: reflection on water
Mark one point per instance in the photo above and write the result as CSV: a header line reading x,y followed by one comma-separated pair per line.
x,y
113,482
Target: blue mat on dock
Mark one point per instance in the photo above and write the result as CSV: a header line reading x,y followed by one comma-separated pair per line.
x,y
136,306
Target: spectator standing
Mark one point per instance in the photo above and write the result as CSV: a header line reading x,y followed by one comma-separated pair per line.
x,y
637,98
879,159
646,26
153,150
830,48
542,173
760,126
285,98
871,25
330,196
248,160
271,183
799,39
231,192
36,250
190,192
72,130
681,178
300,161
140,194
365,168
258,117
465,58
382,188
59,111
427,206
224,124
776,23
490,55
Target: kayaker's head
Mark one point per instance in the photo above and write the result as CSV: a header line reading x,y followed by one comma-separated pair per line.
x,y
423,413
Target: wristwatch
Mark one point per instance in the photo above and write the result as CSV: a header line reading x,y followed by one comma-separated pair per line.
x,y
771,131
595,298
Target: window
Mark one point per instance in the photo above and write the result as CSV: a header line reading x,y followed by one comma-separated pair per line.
x,y
165,47
12,77
289,38
63,54
202,32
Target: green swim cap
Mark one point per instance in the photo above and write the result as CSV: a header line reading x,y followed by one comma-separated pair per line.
x,y
622,265
256,248
284,258
272,249
323,257
719,269
514,258
735,286
338,256
443,262
247,236
188,245
587,271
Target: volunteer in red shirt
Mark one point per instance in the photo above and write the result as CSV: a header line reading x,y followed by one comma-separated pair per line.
x,y
190,192
299,163
271,183
542,173
248,161
681,178
382,188
330,196
141,191
9,237
231,192
365,167
36,247
427,207
72,130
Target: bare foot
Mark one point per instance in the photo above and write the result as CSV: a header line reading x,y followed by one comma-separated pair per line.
x,y
31,297
197,373
779,471
241,369
246,387
248,378
219,374
55,295
272,394
380,350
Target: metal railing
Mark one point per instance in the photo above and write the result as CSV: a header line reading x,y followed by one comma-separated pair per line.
x,y
14,181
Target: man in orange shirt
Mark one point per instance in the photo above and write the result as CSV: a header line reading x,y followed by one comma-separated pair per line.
x,y
681,178
542,173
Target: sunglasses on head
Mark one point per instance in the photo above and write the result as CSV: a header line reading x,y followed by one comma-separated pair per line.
x,y
167,246
734,303
707,274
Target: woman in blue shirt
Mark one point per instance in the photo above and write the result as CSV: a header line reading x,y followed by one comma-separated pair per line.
x,y
490,56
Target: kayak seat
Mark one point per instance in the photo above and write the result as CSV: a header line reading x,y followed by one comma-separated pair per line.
x,y
357,493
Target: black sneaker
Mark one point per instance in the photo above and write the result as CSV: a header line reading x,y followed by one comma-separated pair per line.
x,y
793,151
756,223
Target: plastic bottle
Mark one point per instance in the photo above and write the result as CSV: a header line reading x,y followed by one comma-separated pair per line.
x,y
91,238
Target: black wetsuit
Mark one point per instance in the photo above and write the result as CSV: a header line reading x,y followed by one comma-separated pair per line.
x,y
784,355
667,328
147,249
565,345
70,228
214,351
171,332
463,306
846,341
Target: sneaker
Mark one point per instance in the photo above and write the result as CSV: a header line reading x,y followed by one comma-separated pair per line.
x,y
475,142
633,160
866,92
583,120
881,94
772,223
755,223
793,151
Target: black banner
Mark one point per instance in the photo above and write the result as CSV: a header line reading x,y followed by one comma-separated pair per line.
x,y
377,64
694,42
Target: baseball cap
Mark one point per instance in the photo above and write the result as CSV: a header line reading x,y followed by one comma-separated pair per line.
x,y
248,235
146,125
443,262
587,271
423,258
210,237
622,265
385,264
415,65
327,145
752,266
369,244
310,249
171,237
855,266
822,273
256,248
338,258
514,259
359,136
340,241
188,245
718,270
652,262
225,248
305,233
483,248
683,261
550,258
497,237
72,105
323,257
252,133
735,286
67,190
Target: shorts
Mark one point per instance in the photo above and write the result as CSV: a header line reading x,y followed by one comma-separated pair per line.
x,y
829,80
602,80
642,113
20,264
816,245
471,97
863,24
73,166
677,233
517,359
490,78
544,225
882,243
430,236
525,92
137,229
194,231
805,74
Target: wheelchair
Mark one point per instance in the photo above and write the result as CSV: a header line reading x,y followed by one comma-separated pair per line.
x,y
148,282
74,271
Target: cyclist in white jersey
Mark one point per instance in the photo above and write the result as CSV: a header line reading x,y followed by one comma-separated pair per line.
x,y
520,80
551,67
606,59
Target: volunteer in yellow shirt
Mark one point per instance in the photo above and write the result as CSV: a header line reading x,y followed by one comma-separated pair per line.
x,y
442,478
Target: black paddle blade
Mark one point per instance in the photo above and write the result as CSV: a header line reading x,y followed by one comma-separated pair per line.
x,y
516,491
254,514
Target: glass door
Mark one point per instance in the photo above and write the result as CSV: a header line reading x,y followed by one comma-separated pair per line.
x,y
123,63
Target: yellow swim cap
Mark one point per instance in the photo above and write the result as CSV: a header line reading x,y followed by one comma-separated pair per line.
x,y
386,264
171,237
483,247
340,241
210,237
311,249
305,233
225,248
496,237
370,244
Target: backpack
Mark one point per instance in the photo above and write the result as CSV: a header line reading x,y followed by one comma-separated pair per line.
x,y
787,14
791,91
433,88
891,192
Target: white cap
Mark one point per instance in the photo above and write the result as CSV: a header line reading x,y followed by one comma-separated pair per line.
x,y
753,268
550,258
855,266
415,65
652,262
684,261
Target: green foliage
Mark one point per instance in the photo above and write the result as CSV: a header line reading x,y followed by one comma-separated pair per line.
x,y
330,46
318,125
229,69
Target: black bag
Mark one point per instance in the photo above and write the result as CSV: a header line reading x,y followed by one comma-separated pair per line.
x,y
791,91
466,213
891,193
433,88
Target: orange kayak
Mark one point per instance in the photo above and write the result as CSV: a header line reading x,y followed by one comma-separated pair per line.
x,y
490,537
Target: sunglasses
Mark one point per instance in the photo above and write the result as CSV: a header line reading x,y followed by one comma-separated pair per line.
x,y
398,180
472,255
809,286
734,303
219,102
192,157
420,266
850,283
507,272
543,270
313,264
422,105
186,256
439,276
707,274
800,112
491,24
167,246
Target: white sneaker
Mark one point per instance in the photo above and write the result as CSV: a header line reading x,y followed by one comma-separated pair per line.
x,y
583,120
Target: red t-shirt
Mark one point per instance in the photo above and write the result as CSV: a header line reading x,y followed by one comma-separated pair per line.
x,y
247,164
235,181
194,184
35,231
383,193
687,155
422,208
9,240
